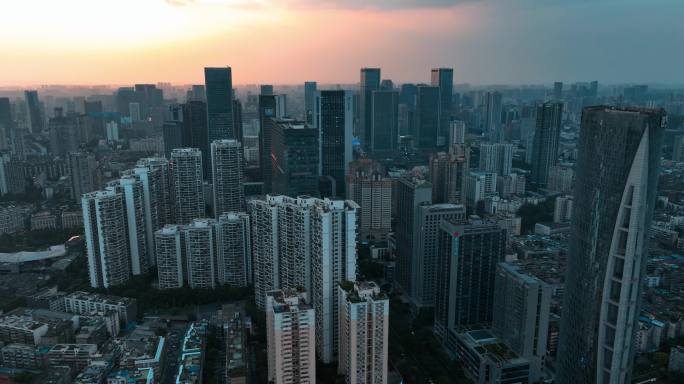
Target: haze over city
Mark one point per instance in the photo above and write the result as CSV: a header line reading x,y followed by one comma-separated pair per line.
x,y
289,41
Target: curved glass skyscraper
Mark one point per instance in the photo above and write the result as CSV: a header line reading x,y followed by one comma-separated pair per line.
x,y
614,196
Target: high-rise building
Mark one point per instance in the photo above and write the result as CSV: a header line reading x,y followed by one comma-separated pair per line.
x,y
370,81
372,191
104,225
309,243
266,89
522,305
444,79
169,253
457,133
281,106
131,190
614,198
200,253
424,264
290,335
478,186
561,178
545,144
234,255
195,133
237,120
155,173
557,90
334,118
34,114
497,158
267,110
64,133
384,131
6,123
491,122
309,95
219,87
83,173
295,158
364,333
678,148
562,212
186,165
448,173
228,176
427,117
509,185
468,256
411,194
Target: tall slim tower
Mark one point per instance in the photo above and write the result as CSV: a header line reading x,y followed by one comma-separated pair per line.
x,y
34,113
492,117
615,193
334,118
187,181
104,225
444,79
427,117
169,253
228,173
83,174
545,144
234,255
384,120
267,115
131,190
309,94
200,253
219,88
370,81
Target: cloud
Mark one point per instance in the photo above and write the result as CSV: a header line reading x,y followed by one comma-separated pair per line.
x,y
323,4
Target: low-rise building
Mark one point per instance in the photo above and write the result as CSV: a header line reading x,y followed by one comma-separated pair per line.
x,y
43,220
486,360
75,356
83,303
22,329
19,356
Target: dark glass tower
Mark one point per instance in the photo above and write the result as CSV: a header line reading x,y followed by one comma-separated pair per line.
x,y
309,96
545,143
370,81
267,108
219,88
195,132
444,79
427,117
334,118
35,116
384,123
294,158
614,197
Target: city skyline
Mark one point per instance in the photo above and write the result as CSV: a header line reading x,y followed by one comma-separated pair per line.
x,y
485,42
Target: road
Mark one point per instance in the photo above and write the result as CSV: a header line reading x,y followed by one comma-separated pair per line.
x,y
173,347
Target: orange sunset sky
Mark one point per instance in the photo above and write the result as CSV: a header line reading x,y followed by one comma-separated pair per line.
x,y
290,41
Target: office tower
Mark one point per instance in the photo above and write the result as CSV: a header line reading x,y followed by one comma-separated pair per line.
x,y
267,108
444,79
94,114
478,186
424,264
448,173
195,132
169,253
281,106
492,127
334,118
295,158
370,81
150,101
557,90
427,117
457,132
290,334
309,97
266,89
562,212
545,144
384,131
509,185
219,88
522,305
134,111
615,193
6,123
372,191
12,179
172,133
364,333
497,158
200,253
468,256
159,187
228,175
83,173
678,148
386,85
131,190
237,120
34,115
309,243
234,256
64,133
104,225
186,165
407,108
561,179
407,95
411,194
197,92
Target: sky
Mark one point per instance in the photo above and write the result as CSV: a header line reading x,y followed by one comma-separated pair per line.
x,y
290,41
